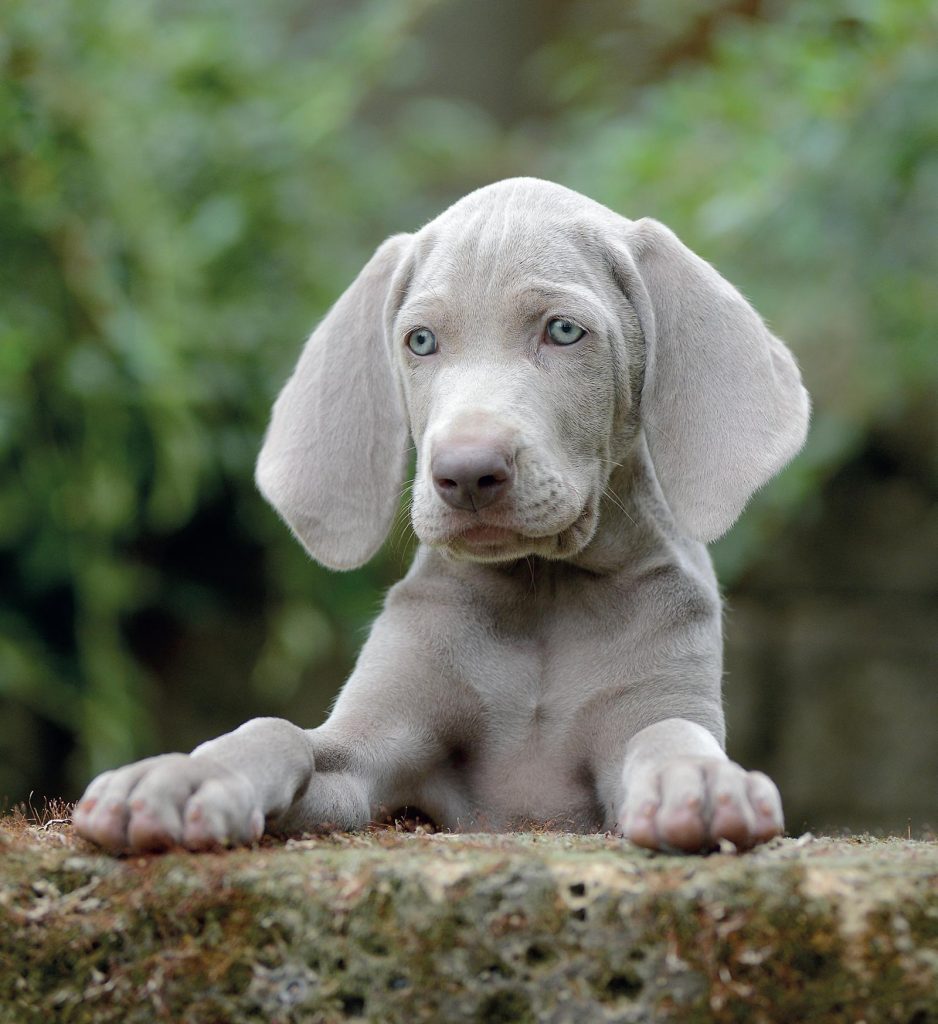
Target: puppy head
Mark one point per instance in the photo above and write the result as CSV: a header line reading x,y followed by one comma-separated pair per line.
x,y
522,339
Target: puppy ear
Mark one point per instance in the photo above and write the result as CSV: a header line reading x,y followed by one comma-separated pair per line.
x,y
722,405
334,458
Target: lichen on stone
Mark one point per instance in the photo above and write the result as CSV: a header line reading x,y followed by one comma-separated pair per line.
x,y
543,927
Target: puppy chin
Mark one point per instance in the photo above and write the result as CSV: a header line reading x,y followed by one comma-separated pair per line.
x,y
575,537
489,544
481,544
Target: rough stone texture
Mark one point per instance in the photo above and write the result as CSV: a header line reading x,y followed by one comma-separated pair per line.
x,y
389,926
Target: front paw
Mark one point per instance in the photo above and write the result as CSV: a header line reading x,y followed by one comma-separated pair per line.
x,y
166,801
691,804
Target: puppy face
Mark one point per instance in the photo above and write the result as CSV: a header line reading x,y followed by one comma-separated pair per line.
x,y
513,338
515,352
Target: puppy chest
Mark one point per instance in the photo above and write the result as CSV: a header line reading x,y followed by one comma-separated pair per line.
x,y
513,786
527,764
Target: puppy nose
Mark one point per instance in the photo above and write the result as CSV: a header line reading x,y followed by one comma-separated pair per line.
x,y
471,476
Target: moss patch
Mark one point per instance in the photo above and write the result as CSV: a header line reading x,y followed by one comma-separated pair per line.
x,y
387,926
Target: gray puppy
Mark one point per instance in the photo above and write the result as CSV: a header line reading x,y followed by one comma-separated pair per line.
x,y
590,403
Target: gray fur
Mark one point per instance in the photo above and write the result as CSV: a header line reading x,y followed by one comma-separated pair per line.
x,y
553,658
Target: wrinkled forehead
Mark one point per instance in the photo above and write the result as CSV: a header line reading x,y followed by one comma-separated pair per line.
x,y
502,249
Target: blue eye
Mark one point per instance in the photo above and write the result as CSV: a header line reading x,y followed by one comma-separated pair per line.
x,y
422,342
564,332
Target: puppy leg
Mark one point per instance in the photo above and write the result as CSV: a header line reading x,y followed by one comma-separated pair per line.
x,y
268,773
681,792
220,794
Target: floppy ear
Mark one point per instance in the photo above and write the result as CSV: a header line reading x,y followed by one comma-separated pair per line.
x,y
334,458
722,405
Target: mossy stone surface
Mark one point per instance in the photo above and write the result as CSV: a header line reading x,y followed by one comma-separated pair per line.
x,y
535,927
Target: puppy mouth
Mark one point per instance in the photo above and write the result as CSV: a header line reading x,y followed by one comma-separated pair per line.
x,y
486,536
492,542
486,542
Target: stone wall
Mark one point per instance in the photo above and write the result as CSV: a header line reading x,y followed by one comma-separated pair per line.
x,y
389,927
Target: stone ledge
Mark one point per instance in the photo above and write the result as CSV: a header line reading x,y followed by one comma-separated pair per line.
x,y
389,927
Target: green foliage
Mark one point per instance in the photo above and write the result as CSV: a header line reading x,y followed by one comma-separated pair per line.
x,y
801,157
183,193
185,188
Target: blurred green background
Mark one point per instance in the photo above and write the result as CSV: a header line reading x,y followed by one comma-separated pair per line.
x,y
186,187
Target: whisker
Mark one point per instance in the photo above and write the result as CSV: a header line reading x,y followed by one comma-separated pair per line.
x,y
398,539
663,433
401,520
397,535
530,565
614,498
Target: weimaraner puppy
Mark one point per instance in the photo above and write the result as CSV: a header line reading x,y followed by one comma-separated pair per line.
x,y
590,403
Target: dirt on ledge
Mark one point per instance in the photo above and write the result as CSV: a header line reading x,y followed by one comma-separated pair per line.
x,y
391,926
